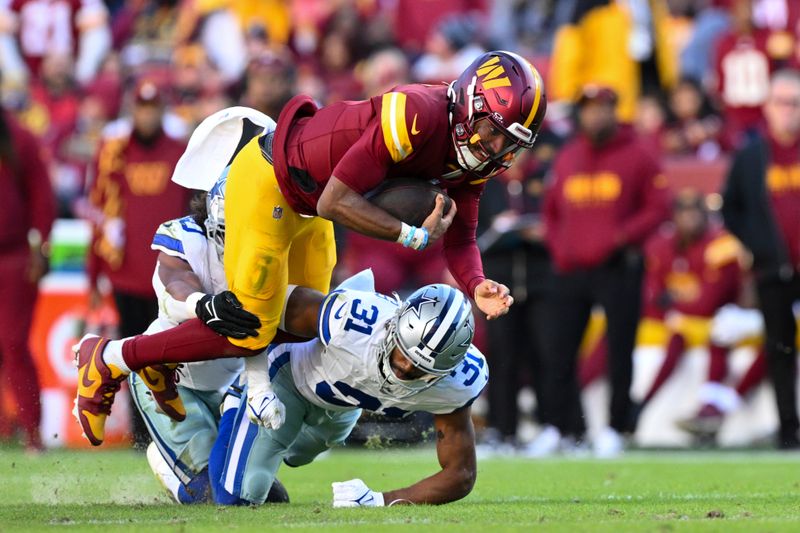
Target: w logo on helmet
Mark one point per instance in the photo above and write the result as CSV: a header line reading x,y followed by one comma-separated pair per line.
x,y
490,72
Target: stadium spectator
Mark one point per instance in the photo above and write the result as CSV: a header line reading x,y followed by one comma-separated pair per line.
x,y
26,216
692,270
622,45
449,49
383,70
693,127
650,122
51,114
762,208
193,78
413,21
269,82
31,30
742,65
132,194
713,20
607,197
203,22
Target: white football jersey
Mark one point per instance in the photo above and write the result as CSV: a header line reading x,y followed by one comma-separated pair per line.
x,y
339,369
184,239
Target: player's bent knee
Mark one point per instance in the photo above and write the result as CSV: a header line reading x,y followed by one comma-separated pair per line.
x,y
198,490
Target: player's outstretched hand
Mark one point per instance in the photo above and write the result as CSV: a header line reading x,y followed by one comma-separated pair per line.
x,y
224,314
265,409
438,222
493,299
355,493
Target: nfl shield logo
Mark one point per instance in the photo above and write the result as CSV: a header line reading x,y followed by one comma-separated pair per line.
x,y
277,212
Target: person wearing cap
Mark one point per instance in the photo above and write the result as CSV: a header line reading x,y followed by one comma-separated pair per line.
x,y
269,83
692,270
762,208
607,196
131,194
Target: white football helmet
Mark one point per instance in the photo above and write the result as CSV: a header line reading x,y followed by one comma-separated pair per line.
x,y
215,221
433,328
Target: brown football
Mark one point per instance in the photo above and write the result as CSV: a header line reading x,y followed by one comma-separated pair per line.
x,y
407,199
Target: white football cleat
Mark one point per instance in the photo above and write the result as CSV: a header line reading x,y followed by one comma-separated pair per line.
x,y
163,472
546,444
608,444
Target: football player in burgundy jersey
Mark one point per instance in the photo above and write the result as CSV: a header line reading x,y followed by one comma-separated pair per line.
x,y
321,162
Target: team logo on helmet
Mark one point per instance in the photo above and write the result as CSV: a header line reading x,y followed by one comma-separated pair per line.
x,y
497,107
433,329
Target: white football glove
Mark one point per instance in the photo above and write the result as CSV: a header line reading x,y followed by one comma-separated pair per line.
x,y
264,408
355,493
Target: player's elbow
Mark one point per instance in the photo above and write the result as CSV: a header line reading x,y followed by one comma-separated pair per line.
x,y
463,481
328,206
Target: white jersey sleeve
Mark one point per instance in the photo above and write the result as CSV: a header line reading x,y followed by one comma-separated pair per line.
x,y
185,239
170,236
459,389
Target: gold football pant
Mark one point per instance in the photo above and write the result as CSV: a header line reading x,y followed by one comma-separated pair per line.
x,y
268,245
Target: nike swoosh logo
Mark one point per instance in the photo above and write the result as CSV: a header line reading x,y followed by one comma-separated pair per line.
x,y
154,380
337,315
91,376
414,130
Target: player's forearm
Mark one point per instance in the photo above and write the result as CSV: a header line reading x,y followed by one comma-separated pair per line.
x,y
446,486
343,205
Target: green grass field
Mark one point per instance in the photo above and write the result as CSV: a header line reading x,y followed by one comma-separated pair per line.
x,y
646,491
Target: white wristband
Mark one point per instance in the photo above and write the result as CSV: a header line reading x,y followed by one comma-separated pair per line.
x,y
191,302
405,232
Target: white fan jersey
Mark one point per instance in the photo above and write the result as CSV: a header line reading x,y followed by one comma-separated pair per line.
x,y
184,239
339,369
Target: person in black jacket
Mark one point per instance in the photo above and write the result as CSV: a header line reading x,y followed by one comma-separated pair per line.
x,y
762,208
510,240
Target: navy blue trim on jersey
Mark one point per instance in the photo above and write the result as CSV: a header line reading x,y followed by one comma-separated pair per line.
x,y
169,243
324,316
277,363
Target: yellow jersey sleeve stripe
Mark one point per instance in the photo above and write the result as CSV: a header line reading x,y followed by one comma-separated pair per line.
x,y
393,125
479,181
536,98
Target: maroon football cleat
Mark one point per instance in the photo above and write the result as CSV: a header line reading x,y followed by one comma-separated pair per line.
x,y
98,383
162,382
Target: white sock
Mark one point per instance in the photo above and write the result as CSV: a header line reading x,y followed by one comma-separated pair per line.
x,y
112,355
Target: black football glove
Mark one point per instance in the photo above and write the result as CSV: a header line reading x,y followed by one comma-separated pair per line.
x,y
224,314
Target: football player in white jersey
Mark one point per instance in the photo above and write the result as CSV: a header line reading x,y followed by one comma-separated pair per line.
x,y
183,420
372,352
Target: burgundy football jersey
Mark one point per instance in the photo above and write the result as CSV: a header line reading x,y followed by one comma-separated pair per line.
x,y
402,133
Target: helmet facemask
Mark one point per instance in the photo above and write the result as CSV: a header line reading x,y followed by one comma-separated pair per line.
x,y
215,220
393,385
432,329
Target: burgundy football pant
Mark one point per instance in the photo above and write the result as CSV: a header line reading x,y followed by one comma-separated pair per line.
x,y
17,300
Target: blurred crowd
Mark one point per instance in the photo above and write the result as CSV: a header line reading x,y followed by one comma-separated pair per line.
x,y
113,88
